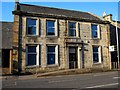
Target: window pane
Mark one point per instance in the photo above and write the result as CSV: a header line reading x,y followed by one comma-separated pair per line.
x,y
50,23
72,32
50,54
95,58
51,48
31,59
94,27
72,25
31,30
31,49
50,31
94,34
95,49
51,59
50,27
72,29
31,22
94,31
95,54
31,26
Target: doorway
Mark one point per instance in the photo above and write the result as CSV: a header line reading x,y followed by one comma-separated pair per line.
x,y
73,57
5,58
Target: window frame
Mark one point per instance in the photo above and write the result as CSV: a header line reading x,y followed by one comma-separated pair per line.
x,y
50,53
75,29
55,53
55,28
27,26
38,58
99,54
98,31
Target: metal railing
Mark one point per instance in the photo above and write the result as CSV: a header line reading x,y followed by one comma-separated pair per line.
x,y
114,65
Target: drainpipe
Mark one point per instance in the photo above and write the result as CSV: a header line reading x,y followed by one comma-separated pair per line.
x,y
20,46
117,41
17,7
82,54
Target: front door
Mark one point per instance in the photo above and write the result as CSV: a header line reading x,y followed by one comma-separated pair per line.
x,y
5,58
72,57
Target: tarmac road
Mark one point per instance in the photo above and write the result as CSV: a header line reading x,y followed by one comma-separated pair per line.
x,y
79,81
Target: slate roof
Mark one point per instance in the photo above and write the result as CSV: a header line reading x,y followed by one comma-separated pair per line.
x,y
57,12
6,30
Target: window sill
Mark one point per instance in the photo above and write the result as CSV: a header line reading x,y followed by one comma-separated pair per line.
x,y
32,35
51,36
72,37
95,38
97,63
33,66
52,65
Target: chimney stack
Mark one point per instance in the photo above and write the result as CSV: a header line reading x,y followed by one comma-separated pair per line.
x,y
107,17
17,5
17,1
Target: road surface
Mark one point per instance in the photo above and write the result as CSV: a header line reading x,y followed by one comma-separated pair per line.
x,y
79,81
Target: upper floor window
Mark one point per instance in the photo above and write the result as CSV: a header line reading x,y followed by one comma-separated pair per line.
x,y
50,26
94,31
72,29
31,26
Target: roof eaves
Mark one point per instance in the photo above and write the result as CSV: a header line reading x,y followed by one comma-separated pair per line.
x,y
56,16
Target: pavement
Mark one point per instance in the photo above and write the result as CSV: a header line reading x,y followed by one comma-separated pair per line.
x,y
49,74
53,73
79,81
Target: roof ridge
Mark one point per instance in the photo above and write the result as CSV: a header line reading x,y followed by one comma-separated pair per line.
x,y
29,9
53,8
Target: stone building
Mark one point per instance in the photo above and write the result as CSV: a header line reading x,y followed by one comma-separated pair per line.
x,y
6,47
51,38
113,40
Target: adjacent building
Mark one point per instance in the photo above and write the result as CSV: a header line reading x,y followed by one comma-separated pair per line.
x,y
6,49
53,39
114,40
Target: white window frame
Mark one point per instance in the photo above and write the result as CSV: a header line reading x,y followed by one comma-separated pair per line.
x,y
37,27
99,54
37,54
56,54
73,28
55,27
98,31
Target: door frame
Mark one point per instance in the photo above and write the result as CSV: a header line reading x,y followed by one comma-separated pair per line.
x,y
76,56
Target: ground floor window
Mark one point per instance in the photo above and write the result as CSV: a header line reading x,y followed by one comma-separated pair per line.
x,y
33,55
50,55
96,54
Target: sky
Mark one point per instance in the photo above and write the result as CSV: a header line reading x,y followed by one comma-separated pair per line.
x,y
96,8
